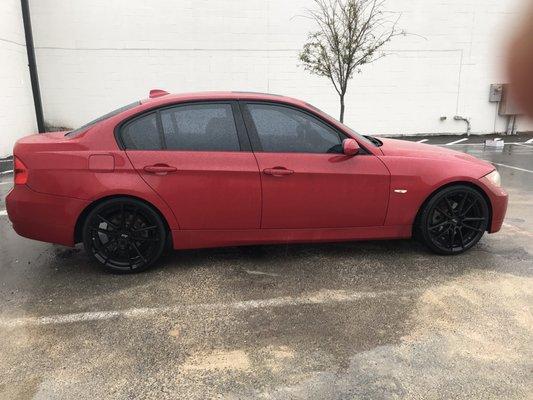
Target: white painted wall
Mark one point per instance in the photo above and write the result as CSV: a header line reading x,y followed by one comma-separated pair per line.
x,y
96,55
17,115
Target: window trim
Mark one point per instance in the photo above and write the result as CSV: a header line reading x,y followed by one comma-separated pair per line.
x,y
242,135
254,136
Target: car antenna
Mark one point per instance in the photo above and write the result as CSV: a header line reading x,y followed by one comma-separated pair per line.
x,y
157,93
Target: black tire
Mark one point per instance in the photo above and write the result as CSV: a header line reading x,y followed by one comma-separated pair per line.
x,y
453,220
124,235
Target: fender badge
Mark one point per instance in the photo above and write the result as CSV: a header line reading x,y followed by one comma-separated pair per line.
x,y
402,191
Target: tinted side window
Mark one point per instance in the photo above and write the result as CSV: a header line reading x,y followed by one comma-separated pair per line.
x,y
142,134
83,128
286,130
200,127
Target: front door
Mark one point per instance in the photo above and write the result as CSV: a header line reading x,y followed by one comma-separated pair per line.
x,y
193,156
307,181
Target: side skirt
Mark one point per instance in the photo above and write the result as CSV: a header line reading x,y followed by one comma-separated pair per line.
x,y
195,239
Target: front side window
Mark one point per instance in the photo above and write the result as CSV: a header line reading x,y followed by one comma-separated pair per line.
x,y
142,133
286,130
200,127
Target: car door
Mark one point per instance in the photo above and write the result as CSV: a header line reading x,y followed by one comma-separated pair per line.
x,y
307,182
197,157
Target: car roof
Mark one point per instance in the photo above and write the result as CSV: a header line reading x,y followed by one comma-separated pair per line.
x,y
162,98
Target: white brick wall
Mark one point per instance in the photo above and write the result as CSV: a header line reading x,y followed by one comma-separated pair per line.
x,y
94,56
17,116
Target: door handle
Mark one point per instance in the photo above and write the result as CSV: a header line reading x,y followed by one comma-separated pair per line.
x,y
278,171
159,169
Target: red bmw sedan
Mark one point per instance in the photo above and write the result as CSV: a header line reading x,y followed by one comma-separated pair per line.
x,y
231,168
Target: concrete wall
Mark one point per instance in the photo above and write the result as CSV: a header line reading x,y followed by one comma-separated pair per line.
x,y
17,116
94,56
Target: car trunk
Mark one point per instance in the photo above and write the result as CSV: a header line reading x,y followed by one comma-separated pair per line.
x,y
46,156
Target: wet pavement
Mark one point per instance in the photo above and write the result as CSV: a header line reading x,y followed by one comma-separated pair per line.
x,y
370,320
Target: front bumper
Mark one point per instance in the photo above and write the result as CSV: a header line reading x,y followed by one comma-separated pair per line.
x,y
498,200
43,217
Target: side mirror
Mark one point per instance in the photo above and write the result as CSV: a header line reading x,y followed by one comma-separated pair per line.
x,y
350,147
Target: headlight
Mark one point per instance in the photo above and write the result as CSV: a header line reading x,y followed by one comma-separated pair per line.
x,y
494,178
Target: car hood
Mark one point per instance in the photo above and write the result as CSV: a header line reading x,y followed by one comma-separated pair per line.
x,y
404,148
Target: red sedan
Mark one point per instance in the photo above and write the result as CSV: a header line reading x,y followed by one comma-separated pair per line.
x,y
223,169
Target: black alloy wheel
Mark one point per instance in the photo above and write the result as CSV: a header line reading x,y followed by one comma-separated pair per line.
x,y
454,219
124,235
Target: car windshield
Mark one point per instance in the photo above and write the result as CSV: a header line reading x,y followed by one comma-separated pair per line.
x,y
354,133
103,117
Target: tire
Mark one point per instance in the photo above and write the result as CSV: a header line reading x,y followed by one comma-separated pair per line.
x,y
124,235
453,220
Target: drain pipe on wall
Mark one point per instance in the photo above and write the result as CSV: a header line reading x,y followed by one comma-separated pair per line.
x,y
467,120
32,66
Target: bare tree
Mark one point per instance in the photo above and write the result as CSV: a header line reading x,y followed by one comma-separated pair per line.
x,y
349,35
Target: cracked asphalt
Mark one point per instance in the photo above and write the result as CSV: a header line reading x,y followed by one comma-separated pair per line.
x,y
361,320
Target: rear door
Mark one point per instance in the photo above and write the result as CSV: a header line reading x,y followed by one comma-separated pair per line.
x,y
307,181
197,157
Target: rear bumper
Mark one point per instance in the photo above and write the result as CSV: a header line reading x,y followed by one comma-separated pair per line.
x,y
498,200
43,217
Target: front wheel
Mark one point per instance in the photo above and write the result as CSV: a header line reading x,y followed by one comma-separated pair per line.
x,y
124,235
454,220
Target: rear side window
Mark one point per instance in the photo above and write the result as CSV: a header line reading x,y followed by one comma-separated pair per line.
x,y
200,127
286,130
83,128
142,134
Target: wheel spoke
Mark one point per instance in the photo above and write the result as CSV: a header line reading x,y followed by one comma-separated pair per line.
x,y
462,205
432,228
443,212
462,238
104,231
146,228
472,228
134,217
469,207
473,219
442,234
452,239
109,242
449,204
138,251
109,223
122,216
145,239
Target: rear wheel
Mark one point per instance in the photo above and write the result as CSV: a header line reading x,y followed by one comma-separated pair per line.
x,y
124,235
454,220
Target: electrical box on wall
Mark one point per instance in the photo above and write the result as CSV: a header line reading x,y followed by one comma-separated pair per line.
x,y
507,105
496,92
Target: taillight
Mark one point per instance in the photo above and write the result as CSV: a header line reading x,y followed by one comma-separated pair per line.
x,y
20,172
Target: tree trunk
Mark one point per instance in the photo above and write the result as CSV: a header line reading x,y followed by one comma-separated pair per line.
x,y
342,108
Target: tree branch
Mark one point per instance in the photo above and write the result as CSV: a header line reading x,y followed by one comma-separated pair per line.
x,y
349,35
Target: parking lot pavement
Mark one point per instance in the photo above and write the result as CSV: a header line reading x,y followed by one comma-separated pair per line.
x,y
374,320
472,140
